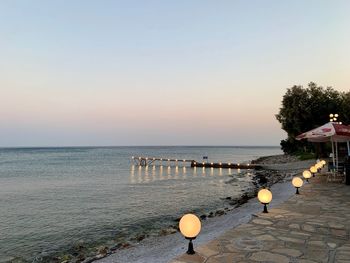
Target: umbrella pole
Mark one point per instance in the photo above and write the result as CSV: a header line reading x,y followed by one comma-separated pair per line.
x,y
336,150
348,143
333,157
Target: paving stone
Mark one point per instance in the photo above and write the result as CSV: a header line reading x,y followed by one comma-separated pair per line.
x,y
196,258
317,243
262,222
266,238
264,256
294,226
294,240
225,258
289,252
308,228
332,245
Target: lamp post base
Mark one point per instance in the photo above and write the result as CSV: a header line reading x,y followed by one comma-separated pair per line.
x,y
190,250
265,209
297,192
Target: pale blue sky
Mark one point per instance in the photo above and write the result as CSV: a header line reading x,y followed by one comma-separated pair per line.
x,y
162,72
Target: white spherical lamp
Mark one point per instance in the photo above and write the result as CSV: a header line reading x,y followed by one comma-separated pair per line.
x,y
190,226
265,197
307,175
297,182
313,170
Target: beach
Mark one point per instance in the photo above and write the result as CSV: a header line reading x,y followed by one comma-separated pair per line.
x,y
164,249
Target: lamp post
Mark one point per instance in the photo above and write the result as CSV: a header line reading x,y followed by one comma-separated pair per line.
x,y
190,226
307,175
265,197
333,117
297,182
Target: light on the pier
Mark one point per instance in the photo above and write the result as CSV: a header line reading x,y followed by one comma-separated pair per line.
x,y
229,163
297,182
154,159
190,226
211,164
203,163
307,175
139,158
184,160
175,160
265,197
132,157
168,160
220,163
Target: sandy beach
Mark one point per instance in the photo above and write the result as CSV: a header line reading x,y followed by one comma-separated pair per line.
x,y
165,248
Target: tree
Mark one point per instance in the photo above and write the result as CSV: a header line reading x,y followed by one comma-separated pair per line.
x,y
304,109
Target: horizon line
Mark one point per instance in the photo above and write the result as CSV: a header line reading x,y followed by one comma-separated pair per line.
x,y
111,146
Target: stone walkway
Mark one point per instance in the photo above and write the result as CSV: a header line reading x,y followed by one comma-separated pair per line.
x,y
310,227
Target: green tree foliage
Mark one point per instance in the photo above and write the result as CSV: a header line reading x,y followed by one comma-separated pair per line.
x,y
304,109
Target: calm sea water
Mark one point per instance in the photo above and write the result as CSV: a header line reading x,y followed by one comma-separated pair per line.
x,y
51,199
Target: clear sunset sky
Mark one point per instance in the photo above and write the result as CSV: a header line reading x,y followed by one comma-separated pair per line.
x,y
162,72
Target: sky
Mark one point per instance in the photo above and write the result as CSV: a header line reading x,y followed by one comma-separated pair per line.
x,y
187,72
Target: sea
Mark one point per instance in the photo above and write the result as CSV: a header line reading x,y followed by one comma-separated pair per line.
x,y
60,203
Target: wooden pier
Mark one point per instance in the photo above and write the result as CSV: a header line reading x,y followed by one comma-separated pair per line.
x,y
145,161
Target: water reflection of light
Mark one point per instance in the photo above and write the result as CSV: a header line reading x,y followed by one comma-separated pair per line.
x,y
220,171
195,171
203,171
238,170
140,174
132,174
176,171
161,172
184,172
153,173
169,172
146,174
211,171
229,170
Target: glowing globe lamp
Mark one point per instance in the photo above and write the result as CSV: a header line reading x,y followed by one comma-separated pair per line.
x,y
319,165
313,170
307,175
265,197
190,226
323,162
297,182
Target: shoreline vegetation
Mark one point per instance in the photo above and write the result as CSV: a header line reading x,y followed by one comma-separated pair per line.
x,y
275,169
